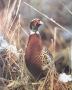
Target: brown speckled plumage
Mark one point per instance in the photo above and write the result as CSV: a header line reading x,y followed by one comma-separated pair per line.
x,y
32,56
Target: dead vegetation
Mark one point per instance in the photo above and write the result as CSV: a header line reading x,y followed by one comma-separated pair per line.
x,y
13,72
23,81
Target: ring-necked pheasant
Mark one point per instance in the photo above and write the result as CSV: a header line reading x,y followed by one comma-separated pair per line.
x,y
34,53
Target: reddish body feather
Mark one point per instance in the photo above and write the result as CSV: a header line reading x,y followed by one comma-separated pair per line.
x,y
32,56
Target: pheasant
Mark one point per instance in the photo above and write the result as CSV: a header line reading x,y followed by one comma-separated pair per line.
x,y
34,54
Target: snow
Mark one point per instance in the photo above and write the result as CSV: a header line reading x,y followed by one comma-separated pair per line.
x,y
13,49
3,42
5,45
63,77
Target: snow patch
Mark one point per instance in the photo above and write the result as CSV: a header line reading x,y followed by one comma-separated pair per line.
x,y
63,77
5,45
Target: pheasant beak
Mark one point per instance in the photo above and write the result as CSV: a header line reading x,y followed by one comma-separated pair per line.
x,y
41,23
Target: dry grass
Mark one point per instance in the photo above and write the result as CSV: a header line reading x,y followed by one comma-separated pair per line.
x,y
23,80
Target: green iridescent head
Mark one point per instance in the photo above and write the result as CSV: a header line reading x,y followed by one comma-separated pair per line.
x,y
35,23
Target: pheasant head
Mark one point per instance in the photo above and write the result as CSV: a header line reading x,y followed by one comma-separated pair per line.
x,y
35,24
